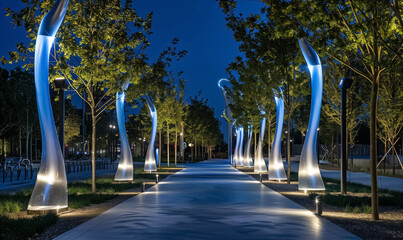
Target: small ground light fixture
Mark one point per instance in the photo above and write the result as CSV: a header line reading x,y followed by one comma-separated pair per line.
x,y
156,178
143,187
318,204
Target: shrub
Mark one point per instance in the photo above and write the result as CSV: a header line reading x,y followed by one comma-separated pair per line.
x,y
82,200
23,228
10,206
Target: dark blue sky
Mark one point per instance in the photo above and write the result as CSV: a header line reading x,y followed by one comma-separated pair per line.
x,y
200,27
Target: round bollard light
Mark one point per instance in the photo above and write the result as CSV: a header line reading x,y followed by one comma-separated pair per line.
x,y
318,204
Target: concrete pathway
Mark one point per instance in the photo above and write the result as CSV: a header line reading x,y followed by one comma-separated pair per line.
x,y
390,183
208,200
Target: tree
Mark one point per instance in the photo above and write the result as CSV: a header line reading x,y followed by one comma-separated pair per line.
x,y
159,81
99,46
390,112
201,125
275,62
72,123
332,99
350,32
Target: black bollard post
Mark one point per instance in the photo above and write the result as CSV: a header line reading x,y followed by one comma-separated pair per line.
x,y
344,84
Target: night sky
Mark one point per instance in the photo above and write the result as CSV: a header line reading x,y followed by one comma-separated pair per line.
x,y
200,27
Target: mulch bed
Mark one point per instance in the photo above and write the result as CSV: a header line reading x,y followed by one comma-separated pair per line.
x,y
389,227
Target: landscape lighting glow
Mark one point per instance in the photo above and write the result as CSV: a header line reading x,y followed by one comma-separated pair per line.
x,y
247,160
309,177
260,165
50,190
125,167
149,164
276,167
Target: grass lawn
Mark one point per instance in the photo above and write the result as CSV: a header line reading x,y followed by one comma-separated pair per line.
x,y
357,199
14,224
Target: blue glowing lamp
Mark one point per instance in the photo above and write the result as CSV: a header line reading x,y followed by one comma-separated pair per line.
x,y
228,100
50,190
125,167
247,159
149,164
276,166
260,164
309,178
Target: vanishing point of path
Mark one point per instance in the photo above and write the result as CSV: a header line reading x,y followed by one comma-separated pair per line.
x,y
208,200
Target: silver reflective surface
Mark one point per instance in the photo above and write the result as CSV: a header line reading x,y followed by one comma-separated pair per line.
x,y
247,159
276,166
309,177
149,164
260,164
50,190
125,167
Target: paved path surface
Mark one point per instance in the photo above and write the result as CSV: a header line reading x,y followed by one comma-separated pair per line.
x,y
390,183
208,200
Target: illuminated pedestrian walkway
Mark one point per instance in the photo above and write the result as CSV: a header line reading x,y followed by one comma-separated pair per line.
x,y
208,200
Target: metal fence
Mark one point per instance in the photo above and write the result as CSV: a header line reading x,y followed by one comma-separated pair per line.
x,y
13,171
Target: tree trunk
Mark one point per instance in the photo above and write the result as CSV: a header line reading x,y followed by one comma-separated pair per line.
x,y
167,144
268,136
181,147
384,161
160,153
373,149
331,151
288,149
36,149
176,146
393,160
254,146
2,148
27,139
30,145
202,149
192,151
93,137
20,142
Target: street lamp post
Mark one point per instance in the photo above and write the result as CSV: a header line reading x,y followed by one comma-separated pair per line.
x,y
61,85
344,84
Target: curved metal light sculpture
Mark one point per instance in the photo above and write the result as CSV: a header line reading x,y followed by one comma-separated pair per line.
x,y
149,164
247,159
276,166
309,177
260,164
50,191
157,153
230,123
240,147
125,167
236,150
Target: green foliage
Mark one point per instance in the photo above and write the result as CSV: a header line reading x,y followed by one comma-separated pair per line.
x,y
357,203
13,203
362,209
82,200
79,193
23,228
201,125
99,46
105,185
